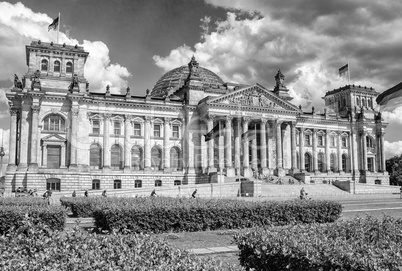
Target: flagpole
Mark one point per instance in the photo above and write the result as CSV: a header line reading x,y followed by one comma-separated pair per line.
x,y
349,72
58,29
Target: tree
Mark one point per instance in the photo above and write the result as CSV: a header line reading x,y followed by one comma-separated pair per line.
x,y
394,168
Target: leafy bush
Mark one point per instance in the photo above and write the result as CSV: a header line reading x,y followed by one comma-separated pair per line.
x,y
160,214
12,216
36,247
28,201
359,244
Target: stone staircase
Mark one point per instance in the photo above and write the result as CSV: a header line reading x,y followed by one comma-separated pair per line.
x,y
289,191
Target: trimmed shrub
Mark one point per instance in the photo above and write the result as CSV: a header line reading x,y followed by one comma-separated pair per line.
x,y
36,247
359,244
159,215
27,201
11,217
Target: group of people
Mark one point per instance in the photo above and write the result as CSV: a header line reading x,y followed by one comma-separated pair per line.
x,y
193,195
86,193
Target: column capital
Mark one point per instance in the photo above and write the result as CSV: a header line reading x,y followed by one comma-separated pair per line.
x,y
148,118
75,111
246,120
35,109
167,119
278,122
14,112
210,116
128,118
229,118
264,121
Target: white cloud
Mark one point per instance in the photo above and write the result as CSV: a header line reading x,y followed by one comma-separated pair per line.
x,y
392,149
393,117
19,25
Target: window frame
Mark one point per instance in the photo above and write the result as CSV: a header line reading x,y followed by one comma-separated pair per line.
x,y
137,129
157,130
175,134
69,67
44,65
54,66
96,184
96,126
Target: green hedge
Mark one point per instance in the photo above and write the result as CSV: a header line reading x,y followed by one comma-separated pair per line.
x,y
160,214
12,216
360,244
35,247
18,201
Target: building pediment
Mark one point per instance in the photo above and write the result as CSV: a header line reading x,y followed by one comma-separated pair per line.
x,y
255,96
53,138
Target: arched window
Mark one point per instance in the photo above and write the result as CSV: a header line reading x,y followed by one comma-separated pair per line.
x,y
369,142
332,163
116,157
358,101
43,65
364,102
320,160
56,66
136,158
137,183
175,162
307,162
95,156
54,123
370,103
69,67
158,182
156,158
344,162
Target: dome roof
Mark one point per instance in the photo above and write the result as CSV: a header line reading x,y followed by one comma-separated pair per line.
x,y
176,77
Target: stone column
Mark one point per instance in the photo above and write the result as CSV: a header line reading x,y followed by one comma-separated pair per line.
x,y
106,142
254,153
279,162
301,151
127,132
73,140
44,151
166,145
237,136
327,152
263,146
339,152
24,135
13,140
228,147
315,153
382,153
147,144
63,156
221,146
364,150
293,146
246,162
33,166
210,126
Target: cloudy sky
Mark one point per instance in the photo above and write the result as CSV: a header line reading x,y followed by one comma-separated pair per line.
x,y
134,42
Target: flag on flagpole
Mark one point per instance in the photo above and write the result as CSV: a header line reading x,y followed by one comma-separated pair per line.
x,y
343,70
53,25
215,132
391,98
249,135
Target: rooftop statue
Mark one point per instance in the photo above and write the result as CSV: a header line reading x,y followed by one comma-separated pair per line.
x,y
279,79
17,82
35,80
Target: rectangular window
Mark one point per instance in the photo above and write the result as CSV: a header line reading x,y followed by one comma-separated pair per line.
x,y
54,123
332,139
137,129
175,131
117,184
96,127
297,139
320,141
95,184
117,128
157,130
307,140
344,142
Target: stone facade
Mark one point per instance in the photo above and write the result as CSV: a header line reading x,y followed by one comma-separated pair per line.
x,y
65,137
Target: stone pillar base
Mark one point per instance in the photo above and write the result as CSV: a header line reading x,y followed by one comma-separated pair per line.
x,y
280,172
22,167
190,170
127,170
147,169
230,172
294,171
73,168
247,172
167,170
211,170
33,167
265,171
106,169
11,168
